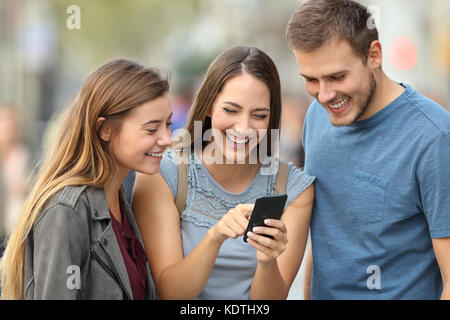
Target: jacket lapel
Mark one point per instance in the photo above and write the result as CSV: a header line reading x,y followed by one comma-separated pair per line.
x,y
107,238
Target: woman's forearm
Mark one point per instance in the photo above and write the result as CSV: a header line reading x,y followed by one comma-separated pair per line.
x,y
268,284
187,278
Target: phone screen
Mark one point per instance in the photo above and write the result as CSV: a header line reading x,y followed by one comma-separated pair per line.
x,y
267,207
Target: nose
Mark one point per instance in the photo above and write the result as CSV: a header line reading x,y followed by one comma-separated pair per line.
x,y
165,140
242,124
326,93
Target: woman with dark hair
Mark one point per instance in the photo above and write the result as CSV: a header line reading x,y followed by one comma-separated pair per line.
x,y
77,237
235,117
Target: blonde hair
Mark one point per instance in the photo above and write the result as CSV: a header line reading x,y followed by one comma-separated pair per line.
x,y
78,156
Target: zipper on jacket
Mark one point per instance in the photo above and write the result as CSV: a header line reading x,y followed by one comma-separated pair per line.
x,y
112,272
104,266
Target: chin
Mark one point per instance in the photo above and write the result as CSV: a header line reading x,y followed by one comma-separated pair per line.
x,y
344,121
238,159
149,171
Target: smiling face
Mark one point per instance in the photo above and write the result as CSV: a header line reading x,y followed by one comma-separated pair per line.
x,y
338,78
143,135
239,112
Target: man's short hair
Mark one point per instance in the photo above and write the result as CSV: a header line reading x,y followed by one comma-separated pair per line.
x,y
318,21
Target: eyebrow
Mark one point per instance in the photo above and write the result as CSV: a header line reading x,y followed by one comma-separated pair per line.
x,y
327,75
156,121
240,107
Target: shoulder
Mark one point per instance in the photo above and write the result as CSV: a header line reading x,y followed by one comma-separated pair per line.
x,y
298,181
65,205
315,111
62,226
298,175
315,120
169,161
169,169
426,124
434,117
71,195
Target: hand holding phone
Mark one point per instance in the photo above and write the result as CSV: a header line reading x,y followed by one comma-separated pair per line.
x,y
267,207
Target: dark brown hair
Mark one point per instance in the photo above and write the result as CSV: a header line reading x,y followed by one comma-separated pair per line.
x,y
227,65
318,21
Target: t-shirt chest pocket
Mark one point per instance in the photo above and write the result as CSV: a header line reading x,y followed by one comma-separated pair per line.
x,y
368,197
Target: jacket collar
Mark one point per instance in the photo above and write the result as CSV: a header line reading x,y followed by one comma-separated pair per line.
x,y
97,199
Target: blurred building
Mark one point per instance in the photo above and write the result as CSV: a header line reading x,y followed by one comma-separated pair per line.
x,y
43,63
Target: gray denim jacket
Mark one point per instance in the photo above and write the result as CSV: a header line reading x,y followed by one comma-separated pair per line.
x,y
72,250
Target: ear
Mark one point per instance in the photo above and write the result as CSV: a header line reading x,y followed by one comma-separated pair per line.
x,y
375,56
103,129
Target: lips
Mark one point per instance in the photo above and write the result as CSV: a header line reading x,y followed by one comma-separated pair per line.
x,y
237,142
340,106
154,154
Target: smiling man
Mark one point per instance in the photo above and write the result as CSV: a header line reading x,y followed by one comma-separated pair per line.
x,y
381,153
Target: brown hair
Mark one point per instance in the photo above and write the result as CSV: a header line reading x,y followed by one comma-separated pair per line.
x,y
318,21
227,65
79,156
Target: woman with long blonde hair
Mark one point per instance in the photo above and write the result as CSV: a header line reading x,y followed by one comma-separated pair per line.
x,y
76,237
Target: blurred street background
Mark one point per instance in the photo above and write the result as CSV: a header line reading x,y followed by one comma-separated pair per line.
x,y
48,47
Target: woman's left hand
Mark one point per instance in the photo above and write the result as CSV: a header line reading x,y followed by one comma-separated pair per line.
x,y
269,249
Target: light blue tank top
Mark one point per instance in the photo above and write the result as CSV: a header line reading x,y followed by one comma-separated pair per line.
x,y
206,203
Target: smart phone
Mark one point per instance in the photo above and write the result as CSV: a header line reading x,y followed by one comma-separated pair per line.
x,y
267,207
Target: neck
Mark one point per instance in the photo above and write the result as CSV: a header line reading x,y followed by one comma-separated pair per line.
x,y
112,188
232,177
386,91
233,170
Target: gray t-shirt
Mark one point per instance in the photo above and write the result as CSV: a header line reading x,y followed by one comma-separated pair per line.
x,y
206,203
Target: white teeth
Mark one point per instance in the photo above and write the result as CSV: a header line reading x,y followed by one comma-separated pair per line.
x,y
154,154
237,140
340,104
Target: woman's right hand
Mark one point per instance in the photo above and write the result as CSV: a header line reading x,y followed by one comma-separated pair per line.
x,y
233,224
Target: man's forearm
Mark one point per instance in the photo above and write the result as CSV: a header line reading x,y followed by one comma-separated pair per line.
x,y
308,273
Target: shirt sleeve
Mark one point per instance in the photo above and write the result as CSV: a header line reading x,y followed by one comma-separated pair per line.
x,y
298,180
433,174
59,251
169,170
304,130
